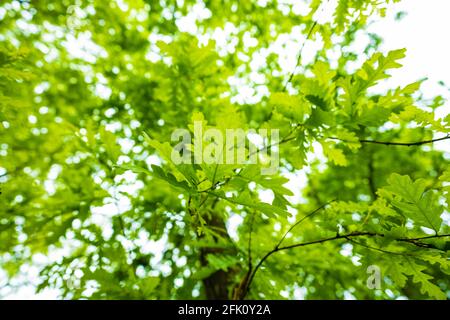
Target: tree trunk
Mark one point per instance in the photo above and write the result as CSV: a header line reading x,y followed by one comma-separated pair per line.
x,y
217,285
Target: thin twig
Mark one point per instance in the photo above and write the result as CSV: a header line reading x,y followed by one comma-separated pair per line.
x,y
299,56
413,241
374,248
285,139
301,220
389,143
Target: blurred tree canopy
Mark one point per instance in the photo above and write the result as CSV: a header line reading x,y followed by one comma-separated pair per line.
x,y
91,91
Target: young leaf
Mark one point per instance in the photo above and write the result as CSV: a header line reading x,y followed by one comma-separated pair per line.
x,y
422,207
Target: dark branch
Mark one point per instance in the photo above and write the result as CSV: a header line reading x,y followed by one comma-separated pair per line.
x,y
389,143
406,144
301,220
374,248
285,139
299,56
371,177
414,241
297,64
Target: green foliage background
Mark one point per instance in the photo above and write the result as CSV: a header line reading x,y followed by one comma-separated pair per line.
x,y
81,132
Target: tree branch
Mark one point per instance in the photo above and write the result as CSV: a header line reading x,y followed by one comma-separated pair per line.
x,y
371,177
299,56
375,249
414,241
301,220
297,64
251,273
389,143
285,139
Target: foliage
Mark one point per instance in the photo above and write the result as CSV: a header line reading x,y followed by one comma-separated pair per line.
x,y
89,98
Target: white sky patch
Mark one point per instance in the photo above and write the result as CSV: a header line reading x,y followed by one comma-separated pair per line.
x,y
326,12
300,292
126,144
256,139
49,184
28,293
83,47
154,247
301,8
198,13
297,182
347,250
232,224
423,33
153,160
266,195
348,295
113,126
23,286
